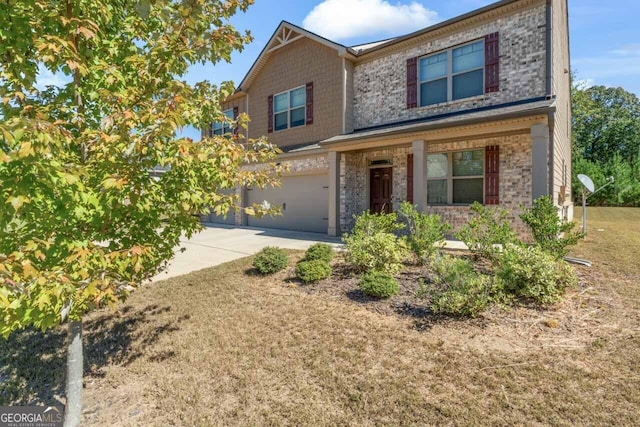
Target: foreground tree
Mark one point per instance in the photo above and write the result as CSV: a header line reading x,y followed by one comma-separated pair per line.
x,y
82,222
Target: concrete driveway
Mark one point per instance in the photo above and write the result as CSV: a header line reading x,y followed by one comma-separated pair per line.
x,y
218,244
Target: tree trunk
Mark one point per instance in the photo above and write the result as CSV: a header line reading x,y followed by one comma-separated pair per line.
x,y
75,362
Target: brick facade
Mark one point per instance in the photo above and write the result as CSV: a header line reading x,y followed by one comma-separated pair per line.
x,y
380,84
515,179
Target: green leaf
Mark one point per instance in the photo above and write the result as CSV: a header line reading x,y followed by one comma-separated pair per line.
x,y
143,8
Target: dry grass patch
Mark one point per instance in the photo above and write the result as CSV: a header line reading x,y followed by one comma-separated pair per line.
x,y
226,347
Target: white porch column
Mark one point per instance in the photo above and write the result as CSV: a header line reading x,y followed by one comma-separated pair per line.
x,y
419,175
334,193
540,162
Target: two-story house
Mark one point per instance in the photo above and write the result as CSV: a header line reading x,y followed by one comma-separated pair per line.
x,y
476,108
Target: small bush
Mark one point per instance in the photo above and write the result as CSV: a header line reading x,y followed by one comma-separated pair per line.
x,y
380,251
552,234
529,272
313,271
459,290
270,260
487,231
425,232
379,284
370,224
321,251
372,244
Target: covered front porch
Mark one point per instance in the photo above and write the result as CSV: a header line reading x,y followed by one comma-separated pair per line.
x,y
440,169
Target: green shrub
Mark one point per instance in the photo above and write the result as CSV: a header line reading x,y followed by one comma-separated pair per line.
x,y
372,244
321,251
459,290
487,231
550,233
380,251
370,224
313,270
425,232
379,284
270,260
529,272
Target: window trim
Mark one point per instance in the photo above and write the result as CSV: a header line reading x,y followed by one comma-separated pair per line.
x,y
289,109
450,74
226,126
449,178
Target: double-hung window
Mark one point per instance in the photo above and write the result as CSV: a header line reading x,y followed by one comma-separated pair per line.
x,y
289,109
222,128
453,74
455,178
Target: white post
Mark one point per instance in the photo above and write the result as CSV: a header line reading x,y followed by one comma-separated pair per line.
x,y
584,212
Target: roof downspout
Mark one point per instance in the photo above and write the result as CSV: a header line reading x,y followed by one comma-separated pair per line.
x,y
549,53
344,95
549,88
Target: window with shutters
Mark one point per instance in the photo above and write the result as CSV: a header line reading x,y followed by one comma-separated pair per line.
x,y
455,178
289,108
453,74
222,128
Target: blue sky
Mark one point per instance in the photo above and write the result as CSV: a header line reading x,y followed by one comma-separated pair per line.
x,y
605,36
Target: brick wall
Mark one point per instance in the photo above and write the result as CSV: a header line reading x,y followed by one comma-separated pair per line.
x,y
380,84
354,181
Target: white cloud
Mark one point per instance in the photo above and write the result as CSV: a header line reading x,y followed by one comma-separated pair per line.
x,y
585,83
343,19
628,50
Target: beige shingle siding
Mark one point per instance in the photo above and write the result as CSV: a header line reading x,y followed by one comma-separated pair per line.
x,y
561,86
380,84
292,66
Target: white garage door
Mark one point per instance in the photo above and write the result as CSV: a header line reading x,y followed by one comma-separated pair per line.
x,y
304,201
229,219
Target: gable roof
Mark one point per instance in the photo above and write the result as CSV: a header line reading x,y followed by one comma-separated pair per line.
x,y
285,34
288,33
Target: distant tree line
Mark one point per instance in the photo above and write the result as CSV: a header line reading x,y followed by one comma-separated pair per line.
x,y
606,142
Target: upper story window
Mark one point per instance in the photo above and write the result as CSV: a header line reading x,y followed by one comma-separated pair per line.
x,y
455,178
453,74
222,128
289,109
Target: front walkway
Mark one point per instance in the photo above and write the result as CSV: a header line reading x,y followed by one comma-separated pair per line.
x,y
219,243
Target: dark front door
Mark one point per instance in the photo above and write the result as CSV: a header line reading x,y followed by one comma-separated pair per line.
x,y
380,191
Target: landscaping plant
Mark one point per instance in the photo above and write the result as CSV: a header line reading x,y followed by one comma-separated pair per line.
x,y
552,234
379,284
425,233
531,273
82,222
487,231
372,244
459,290
319,251
313,270
270,260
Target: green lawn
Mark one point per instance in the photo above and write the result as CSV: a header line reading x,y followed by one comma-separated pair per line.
x,y
225,347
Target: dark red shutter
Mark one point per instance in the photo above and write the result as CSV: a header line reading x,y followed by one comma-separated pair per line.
x,y
309,120
210,131
492,175
410,178
412,82
492,63
235,117
270,109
